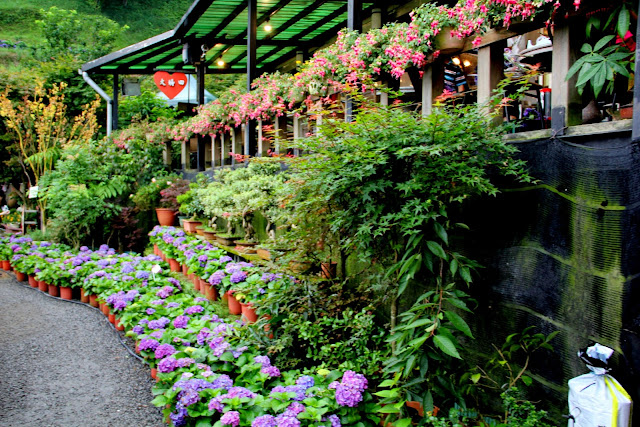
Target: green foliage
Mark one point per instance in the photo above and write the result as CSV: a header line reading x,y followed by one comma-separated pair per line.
x,y
144,107
147,197
65,31
91,186
507,366
600,64
237,194
80,193
606,57
383,187
190,204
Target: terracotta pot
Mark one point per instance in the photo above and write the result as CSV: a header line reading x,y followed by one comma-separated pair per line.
x,y
93,300
66,292
166,217
209,235
329,269
212,295
85,298
205,288
200,230
156,250
264,254
174,265
185,269
43,286
626,112
20,277
119,326
54,291
33,282
137,347
249,313
197,284
105,309
190,226
154,373
112,318
267,327
6,265
234,305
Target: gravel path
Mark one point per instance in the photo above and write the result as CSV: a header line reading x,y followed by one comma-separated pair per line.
x,y
61,364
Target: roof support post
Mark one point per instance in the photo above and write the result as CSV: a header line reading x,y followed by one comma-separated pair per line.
x,y
201,154
116,90
566,103
354,22
354,15
250,145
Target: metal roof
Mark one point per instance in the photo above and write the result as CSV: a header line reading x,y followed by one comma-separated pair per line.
x,y
221,27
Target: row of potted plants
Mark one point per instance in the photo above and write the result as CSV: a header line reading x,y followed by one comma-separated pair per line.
x,y
205,375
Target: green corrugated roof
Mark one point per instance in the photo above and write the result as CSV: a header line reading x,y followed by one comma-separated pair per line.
x,y
221,25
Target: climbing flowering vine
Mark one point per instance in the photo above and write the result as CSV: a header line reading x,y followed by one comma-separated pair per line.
x,y
358,61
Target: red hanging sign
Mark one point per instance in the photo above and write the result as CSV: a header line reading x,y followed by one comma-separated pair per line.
x,y
170,84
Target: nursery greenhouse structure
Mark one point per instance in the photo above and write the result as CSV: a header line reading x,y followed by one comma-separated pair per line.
x,y
415,214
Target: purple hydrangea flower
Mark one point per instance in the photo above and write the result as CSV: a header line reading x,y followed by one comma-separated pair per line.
x,y
231,418
305,381
164,292
184,362
142,275
225,258
148,344
223,381
150,311
285,420
180,322
216,277
194,309
264,421
159,323
138,330
272,371
164,350
349,390
238,276
295,408
168,364
334,420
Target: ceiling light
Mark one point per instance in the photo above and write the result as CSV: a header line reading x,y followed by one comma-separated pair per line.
x,y
268,27
456,60
466,63
220,63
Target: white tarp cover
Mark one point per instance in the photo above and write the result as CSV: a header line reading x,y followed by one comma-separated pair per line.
x,y
596,399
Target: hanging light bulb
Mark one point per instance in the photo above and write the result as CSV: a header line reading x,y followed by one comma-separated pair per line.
x,y
268,27
466,63
456,60
220,63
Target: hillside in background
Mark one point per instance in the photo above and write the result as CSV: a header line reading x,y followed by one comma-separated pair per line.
x,y
145,18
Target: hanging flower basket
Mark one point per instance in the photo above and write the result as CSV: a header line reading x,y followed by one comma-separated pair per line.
x,y
447,43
